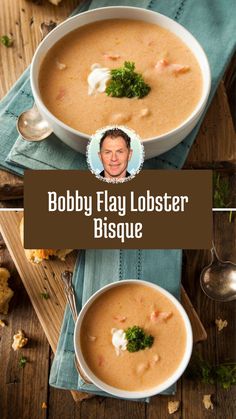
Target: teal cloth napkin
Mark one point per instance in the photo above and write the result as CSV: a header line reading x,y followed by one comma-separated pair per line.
x,y
95,269
212,23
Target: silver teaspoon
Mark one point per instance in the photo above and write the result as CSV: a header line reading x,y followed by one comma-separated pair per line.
x,y
218,279
30,124
66,277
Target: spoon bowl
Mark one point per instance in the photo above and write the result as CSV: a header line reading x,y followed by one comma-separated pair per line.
x,y
31,126
218,279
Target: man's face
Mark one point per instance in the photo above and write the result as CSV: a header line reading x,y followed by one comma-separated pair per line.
x,y
115,156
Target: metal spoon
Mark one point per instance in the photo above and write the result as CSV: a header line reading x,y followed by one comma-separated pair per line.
x,y
30,124
66,277
218,279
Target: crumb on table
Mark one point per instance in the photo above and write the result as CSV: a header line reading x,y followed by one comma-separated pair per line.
x,y
6,293
173,406
207,402
221,324
19,340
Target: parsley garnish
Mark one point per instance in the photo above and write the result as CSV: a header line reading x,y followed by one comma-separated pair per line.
x,y
137,339
221,191
224,374
22,362
6,41
125,82
45,295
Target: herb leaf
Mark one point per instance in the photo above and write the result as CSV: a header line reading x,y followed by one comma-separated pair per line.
x,y
221,191
125,82
6,41
224,374
137,339
45,295
22,362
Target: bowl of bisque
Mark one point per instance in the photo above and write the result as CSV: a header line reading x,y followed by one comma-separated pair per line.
x,y
132,339
121,66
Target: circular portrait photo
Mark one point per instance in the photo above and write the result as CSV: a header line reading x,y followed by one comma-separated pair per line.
x,y
115,154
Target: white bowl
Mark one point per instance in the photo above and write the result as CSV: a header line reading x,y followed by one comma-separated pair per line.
x,y
153,146
124,393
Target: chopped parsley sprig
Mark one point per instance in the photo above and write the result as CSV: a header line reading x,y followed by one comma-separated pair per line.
x,y
221,191
45,295
125,82
224,374
137,339
22,362
6,41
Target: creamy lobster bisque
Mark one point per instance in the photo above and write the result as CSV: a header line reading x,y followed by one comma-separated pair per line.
x,y
126,306
165,62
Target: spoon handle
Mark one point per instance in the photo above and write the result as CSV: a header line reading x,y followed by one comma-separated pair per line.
x,y
66,277
69,292
214,254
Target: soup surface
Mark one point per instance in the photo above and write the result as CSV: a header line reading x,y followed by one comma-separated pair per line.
x,y
127,306
165,62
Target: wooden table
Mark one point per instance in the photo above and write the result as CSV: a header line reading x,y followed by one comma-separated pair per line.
x,y
214,148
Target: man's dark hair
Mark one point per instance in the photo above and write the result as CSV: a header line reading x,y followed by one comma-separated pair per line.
x,y
114,133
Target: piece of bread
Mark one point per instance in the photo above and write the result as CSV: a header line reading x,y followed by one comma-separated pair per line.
x,y
38,255
5,292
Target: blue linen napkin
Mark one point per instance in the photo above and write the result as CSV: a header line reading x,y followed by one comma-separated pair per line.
x,y
213,25
95,269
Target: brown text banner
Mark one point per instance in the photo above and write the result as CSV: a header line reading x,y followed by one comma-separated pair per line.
x,y
157,209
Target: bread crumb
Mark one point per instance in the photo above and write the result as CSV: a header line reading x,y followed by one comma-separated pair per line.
x,y
221,324
19,340
173,406
2,323
44,405
207,402
5,292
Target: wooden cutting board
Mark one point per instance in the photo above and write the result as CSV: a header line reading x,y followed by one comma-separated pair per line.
x,y
47,277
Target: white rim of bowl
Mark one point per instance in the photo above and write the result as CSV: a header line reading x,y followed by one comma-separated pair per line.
x,y
125,393
202,101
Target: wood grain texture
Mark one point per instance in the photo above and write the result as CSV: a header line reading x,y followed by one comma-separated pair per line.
x,y
216,139
21,19
220,347
31,383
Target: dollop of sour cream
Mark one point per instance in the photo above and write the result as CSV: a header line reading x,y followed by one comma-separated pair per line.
x,y
119,340
98,79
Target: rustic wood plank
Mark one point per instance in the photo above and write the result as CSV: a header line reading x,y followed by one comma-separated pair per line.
x,y
62,405
22,20
216,139
217,347
38,279
10,188
225,240
158,406
22,390
14,203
